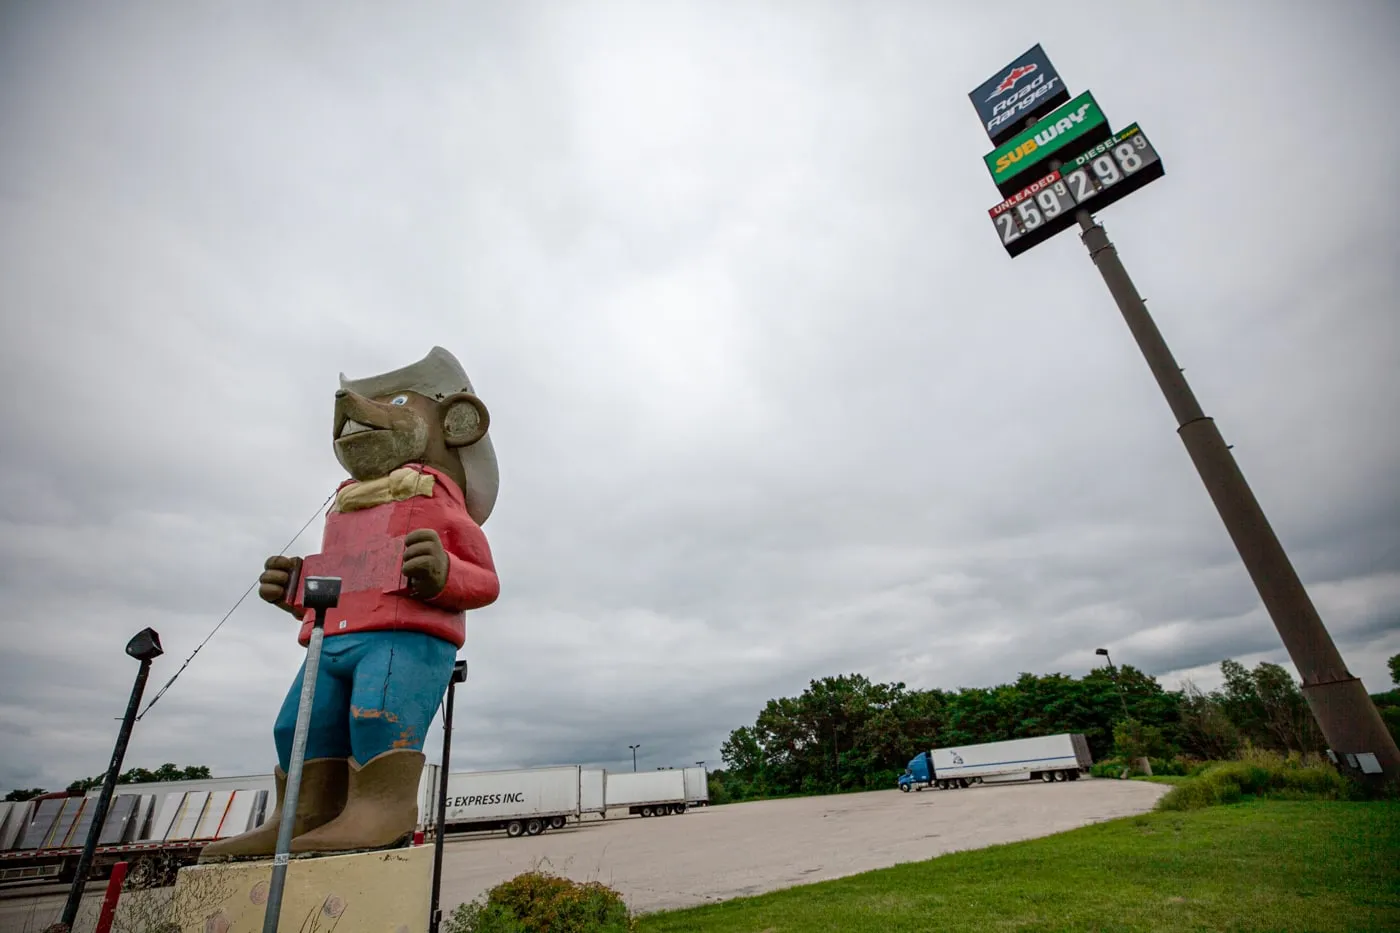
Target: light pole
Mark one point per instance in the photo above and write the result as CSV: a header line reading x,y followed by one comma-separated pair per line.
x,y
322,593
634,755
1142,763
459,676
144,647
699,764
1116,682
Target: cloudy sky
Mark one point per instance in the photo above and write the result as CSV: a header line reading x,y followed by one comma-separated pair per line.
x,y
770,400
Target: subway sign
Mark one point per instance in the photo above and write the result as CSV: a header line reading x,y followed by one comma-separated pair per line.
x,y
1078,123
1026,89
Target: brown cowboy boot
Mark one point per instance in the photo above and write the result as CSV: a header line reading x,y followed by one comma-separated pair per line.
x,y
381,807
322,796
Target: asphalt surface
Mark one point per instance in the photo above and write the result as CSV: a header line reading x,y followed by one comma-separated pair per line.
x,y
717,853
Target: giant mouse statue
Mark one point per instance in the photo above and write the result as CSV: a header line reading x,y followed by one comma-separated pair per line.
x,y
404,534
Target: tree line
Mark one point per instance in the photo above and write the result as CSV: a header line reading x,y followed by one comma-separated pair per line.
x,y
849,733
166,772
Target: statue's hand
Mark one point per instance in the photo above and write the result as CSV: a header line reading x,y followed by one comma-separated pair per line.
x,y
272,585
424,563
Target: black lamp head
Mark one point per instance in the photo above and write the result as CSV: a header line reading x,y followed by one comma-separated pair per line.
x,y
459,672
322,593
1102,651
145,645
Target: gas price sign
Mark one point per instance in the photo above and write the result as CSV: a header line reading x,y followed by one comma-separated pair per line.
x,y
1103,175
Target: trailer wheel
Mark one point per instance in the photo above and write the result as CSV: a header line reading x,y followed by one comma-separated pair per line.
x,y
556,822
515,828
142,873
646,811
1059,775
157,870
1046,776
534,827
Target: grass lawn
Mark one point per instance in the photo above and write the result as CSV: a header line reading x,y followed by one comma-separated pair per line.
x,y
1258,865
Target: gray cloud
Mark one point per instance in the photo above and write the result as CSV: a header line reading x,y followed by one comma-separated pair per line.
x,y
769,401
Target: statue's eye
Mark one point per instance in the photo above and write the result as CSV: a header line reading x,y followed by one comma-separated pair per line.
x,y
400,400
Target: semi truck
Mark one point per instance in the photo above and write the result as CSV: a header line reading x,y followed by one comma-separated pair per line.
x,y
1048,758
646,793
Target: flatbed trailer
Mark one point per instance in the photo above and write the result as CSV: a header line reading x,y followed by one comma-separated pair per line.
x,y
156,829
152,864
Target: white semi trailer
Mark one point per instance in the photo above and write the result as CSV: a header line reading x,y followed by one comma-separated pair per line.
x,y
522,802
646,793
1062,757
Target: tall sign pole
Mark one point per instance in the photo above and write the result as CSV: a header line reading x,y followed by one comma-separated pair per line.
x,y
1065,163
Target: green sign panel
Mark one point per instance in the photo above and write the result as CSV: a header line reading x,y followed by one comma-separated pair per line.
x,y
1072,121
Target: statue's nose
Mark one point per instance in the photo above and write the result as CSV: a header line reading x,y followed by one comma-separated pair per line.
x,y
341,393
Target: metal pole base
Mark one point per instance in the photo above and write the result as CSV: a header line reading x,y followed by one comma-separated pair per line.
x,y
1351,723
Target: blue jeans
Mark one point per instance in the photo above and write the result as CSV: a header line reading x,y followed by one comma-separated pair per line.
x,y
375,691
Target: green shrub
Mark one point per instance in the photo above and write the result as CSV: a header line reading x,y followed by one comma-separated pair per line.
x,y
1168,767
1108,768
1259,774
539,902
1161,767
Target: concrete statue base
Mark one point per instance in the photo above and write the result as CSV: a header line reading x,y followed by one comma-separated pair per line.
x,y
365,892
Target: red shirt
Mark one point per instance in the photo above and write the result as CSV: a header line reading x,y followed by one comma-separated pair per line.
x,y
365,549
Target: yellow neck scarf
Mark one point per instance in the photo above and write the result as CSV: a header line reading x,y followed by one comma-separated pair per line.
x,y
403,483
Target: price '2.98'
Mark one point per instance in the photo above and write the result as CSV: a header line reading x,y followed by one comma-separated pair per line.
x,y
1108,169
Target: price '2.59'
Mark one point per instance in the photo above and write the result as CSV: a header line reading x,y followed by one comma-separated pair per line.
x,y
1046,205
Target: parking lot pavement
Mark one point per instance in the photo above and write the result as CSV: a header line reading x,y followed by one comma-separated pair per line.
x,y
715,853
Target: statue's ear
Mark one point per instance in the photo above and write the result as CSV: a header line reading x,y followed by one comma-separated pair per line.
x,y
464,419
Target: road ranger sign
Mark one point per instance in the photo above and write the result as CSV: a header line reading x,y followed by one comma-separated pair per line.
x,y
1026,89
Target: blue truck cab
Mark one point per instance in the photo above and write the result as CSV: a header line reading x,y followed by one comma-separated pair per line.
x,y
919,773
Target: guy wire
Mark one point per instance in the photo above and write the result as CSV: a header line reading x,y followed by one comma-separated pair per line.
x,y
161,692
